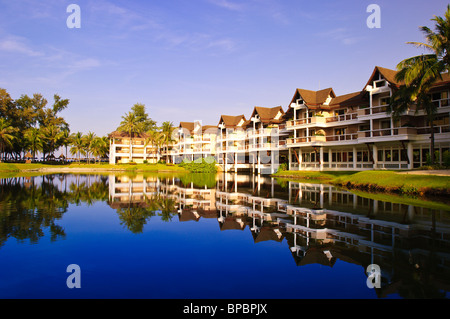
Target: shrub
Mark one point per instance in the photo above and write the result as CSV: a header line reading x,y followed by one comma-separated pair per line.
x,y
446,159
200,166
282,167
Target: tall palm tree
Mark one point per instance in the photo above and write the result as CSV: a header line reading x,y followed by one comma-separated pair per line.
x,y
6,135
100,147
88,143
35,139
155,139
77,143
417,74
52,136
65,139
167,129
132,124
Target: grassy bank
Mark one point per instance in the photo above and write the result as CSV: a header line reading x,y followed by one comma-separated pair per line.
x,y
74,167
379,181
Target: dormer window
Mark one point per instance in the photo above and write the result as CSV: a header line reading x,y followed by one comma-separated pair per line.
x,y
300,101
278,116
379,84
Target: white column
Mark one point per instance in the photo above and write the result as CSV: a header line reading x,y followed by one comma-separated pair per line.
x,y
375,156
258,155
410,155
290,158
330,157
321,159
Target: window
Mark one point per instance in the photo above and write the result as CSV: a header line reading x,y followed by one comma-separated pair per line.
x,y
385,124
385,100
395,155
365,127
339,131
378,84
387,156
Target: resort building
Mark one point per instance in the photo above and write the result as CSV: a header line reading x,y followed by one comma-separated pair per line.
x,y
194,141
355,131
123,149
252,145
319,131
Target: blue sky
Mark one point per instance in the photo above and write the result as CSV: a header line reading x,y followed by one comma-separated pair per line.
x,y
198,59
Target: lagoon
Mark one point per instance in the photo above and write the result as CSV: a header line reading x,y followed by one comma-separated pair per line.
x,y
163,236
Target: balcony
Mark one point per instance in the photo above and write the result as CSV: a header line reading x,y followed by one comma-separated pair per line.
x,y
323,139
387,133
441,103
322,121
372,110
381,110
342,118
267,146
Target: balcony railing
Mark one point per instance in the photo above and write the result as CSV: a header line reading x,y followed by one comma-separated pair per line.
x,y
322,120
437,129
320,138
441,103
389,132
343,117
373,110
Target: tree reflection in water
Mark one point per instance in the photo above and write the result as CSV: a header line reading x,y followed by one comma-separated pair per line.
x,y
319,224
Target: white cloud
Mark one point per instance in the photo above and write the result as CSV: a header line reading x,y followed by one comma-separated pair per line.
x,y
14,44
340,34
227,5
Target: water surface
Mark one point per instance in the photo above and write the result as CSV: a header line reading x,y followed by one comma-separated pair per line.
x,y
207,236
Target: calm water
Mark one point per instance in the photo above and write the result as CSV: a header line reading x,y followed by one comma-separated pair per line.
x,y
225,236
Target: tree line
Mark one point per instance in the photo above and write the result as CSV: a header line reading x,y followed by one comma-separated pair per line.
x,y
137,122
30,124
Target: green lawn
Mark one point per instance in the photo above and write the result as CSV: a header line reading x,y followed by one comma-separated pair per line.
x,y
387,181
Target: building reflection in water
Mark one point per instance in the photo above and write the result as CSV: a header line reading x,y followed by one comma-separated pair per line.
x,y
320,223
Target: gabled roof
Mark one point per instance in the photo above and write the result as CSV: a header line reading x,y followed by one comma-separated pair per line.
x,y
349,100
118,134
268,114
313,98
387,74
188,126
231,121
208,127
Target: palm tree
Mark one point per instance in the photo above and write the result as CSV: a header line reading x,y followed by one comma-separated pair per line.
x,y
77,143
100,147
6,135
35,139
52,135
131,123
155,139
419,73
65,139
167,129
88,141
